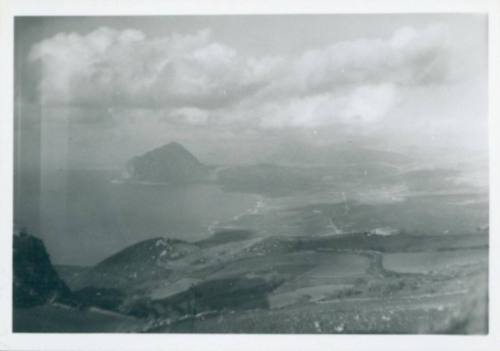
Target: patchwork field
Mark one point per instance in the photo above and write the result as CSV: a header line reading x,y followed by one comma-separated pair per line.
x,y
332,285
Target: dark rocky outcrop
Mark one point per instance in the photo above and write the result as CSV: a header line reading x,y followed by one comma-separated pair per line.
x,y
35,279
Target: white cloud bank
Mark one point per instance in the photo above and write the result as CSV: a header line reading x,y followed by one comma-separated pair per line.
x,y
197,80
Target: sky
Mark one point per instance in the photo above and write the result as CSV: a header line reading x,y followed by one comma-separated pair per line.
x,y
92,92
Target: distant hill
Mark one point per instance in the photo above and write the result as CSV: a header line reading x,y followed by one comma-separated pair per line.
x,y
339,154
299,168
149,260
170,163
35,279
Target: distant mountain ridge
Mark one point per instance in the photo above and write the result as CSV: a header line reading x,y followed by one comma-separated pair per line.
x,y
170,163
340,154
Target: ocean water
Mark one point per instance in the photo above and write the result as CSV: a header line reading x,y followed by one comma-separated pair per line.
x,y
83,217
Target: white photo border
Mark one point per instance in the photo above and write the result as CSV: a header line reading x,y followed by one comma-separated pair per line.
x,y
9,9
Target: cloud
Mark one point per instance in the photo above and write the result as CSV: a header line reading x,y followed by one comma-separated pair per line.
x,y
196,80
357,106
109,67
407,58
190,115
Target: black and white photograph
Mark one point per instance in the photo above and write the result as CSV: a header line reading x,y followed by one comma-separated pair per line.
x,y
281,174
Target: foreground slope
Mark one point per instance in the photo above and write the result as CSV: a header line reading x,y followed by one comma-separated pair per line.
x,y
239,282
